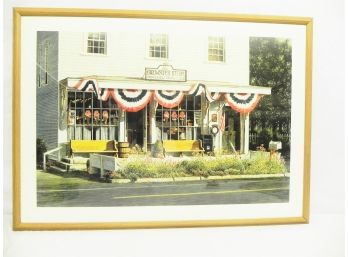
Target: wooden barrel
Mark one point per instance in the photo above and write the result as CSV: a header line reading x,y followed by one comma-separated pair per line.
x,y
123,149
123,144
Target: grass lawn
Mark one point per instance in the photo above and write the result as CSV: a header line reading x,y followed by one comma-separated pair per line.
x,y
50,182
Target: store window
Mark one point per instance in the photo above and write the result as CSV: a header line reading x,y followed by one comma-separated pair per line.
x,y
90,118
96,43
216,49
158,46
182,122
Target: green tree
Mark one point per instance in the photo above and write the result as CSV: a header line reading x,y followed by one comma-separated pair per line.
x,y
271,66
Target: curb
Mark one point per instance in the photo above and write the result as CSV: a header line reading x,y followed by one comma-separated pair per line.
x,y
181,179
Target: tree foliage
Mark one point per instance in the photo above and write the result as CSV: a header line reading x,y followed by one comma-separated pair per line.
x,y
271,66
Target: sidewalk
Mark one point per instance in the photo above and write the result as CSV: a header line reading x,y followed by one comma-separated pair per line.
x,y
209,178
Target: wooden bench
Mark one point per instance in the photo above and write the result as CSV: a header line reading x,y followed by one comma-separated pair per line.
x,y
93,146
182,146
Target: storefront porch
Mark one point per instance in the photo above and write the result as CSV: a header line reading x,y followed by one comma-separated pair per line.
x,y
142,112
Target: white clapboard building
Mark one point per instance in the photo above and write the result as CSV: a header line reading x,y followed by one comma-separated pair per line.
x,y
140,86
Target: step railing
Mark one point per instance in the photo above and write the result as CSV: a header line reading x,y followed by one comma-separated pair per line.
x,y
56,152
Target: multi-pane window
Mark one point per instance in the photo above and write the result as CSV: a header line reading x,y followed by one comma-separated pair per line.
x,y
90,118
181,122
158,46
96,43
216,49
42,64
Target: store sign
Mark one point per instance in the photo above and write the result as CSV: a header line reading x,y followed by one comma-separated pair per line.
x,y
165,73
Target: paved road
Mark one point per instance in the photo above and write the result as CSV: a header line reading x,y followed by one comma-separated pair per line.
x,y
270,190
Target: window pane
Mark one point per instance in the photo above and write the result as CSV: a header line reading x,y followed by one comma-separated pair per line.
x,y
216,49
96,41
158,46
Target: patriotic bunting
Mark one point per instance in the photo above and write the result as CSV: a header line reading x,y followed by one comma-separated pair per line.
x,y
197,89
105,93
137,99
131,100
87,85
211,97
200,89
168,98
243,103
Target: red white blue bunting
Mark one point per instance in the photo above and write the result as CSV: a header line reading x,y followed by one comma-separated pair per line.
x,y
243,103
197,89
169,98
104,94
131,100
211,97
87,85
135,100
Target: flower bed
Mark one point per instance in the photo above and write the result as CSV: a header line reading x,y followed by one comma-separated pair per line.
x,y
145,167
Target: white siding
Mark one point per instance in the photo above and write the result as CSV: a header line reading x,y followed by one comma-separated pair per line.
x,y
127,55
47,95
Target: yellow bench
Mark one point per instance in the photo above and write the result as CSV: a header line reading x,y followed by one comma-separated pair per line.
x,y
181,146
93,146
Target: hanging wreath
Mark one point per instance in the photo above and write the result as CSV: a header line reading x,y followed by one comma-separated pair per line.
x,y
166,116
169,98
182,115
131,100
243,103
174,116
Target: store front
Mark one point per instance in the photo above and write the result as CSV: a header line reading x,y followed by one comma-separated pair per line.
x,y
141,111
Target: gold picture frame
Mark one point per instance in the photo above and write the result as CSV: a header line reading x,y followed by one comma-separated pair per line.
x,y
17,103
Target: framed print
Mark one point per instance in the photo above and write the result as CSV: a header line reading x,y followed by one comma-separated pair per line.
x,y
147,119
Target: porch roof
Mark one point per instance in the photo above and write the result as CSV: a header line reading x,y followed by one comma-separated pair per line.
x,y
118,82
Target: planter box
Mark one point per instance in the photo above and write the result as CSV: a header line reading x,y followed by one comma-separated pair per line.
x,y
102,163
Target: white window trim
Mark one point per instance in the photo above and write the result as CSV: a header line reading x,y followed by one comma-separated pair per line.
x,y
85,45
148,44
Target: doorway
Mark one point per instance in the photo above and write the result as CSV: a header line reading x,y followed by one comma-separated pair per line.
x,y
135,128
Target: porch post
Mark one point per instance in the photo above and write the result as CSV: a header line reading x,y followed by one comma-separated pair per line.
x,y
205,116
152,121
122,135
244,133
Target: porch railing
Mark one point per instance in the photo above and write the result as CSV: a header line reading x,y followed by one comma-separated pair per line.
x,y
56,153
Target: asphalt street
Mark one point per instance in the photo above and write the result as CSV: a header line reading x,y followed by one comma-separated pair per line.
x,y
270,190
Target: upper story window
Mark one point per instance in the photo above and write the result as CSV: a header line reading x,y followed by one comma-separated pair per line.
x,y
43,64
216,49
158,46
96,43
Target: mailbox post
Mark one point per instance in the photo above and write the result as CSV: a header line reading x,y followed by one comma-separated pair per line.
x,y
274,146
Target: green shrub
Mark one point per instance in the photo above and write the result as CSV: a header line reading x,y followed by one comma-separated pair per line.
x,y
41,148
265,136
226,163
195,167
203,167
262,165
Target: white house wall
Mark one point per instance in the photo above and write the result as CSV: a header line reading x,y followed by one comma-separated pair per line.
x,y
47,94
127,55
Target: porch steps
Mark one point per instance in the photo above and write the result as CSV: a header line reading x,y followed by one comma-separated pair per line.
x,y
67,164
56,169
